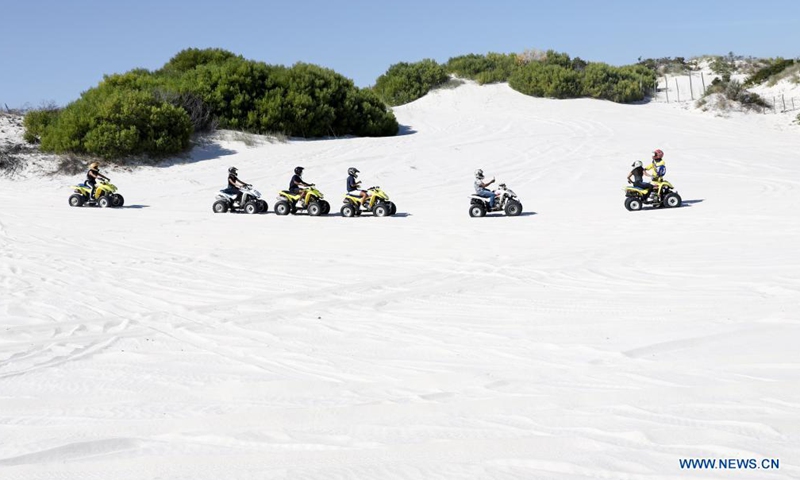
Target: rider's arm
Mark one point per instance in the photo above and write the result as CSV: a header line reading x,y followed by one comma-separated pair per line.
x,y
629,177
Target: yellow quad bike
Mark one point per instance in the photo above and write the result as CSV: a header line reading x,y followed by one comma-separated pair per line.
x,y
310,199
377,202
663,194
105,195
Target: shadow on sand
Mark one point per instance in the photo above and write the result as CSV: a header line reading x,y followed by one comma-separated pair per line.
x,y
503,215
406,130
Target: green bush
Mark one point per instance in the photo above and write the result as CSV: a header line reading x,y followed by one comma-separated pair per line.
x,y
118,123
155,113
192,58
765,73
558,76
489,68
735,91
405,82
36,122
723,67
543,80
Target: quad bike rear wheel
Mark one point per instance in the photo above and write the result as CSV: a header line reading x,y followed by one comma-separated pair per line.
x,y
633,204
220,206
348,210
76,200
283,208
477,210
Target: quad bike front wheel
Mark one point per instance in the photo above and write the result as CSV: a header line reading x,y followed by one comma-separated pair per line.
x,y
252,207
477,210
117,200
314,209
392,208
672,200
633,204
326,207
381,210
263,206
76,200
513,209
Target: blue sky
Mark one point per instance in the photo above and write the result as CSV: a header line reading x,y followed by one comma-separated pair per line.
x,y
54,50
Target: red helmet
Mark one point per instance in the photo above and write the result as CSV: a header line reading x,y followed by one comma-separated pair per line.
x,y
658,154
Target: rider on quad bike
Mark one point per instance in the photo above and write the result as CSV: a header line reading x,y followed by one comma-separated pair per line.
x,y
638,173
92,176
234,184
480,187
354,186
296,184
657,169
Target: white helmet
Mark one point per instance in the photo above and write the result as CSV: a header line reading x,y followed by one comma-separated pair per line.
x,y
636,164
479,174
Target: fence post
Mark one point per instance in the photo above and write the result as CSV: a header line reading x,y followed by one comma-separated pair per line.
x,y
666,87
678,89
774,105
784,102
703,79
792,103
691,89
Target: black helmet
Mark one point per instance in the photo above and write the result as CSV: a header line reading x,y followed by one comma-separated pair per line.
x,y
479,174
352,171
232,170
298,170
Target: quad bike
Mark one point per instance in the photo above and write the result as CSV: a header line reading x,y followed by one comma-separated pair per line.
x,y
662,194
248,200
105,195
377,202
505,201
310,200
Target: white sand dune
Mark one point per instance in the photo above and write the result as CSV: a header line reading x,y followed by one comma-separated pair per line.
x,y
576,341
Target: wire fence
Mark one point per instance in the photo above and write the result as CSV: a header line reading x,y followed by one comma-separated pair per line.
x,y
692,87
783,104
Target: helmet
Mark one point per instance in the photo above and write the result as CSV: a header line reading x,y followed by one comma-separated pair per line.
x,y
94,165
298,170
636,164
479,173
658,154
352,171
232,170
